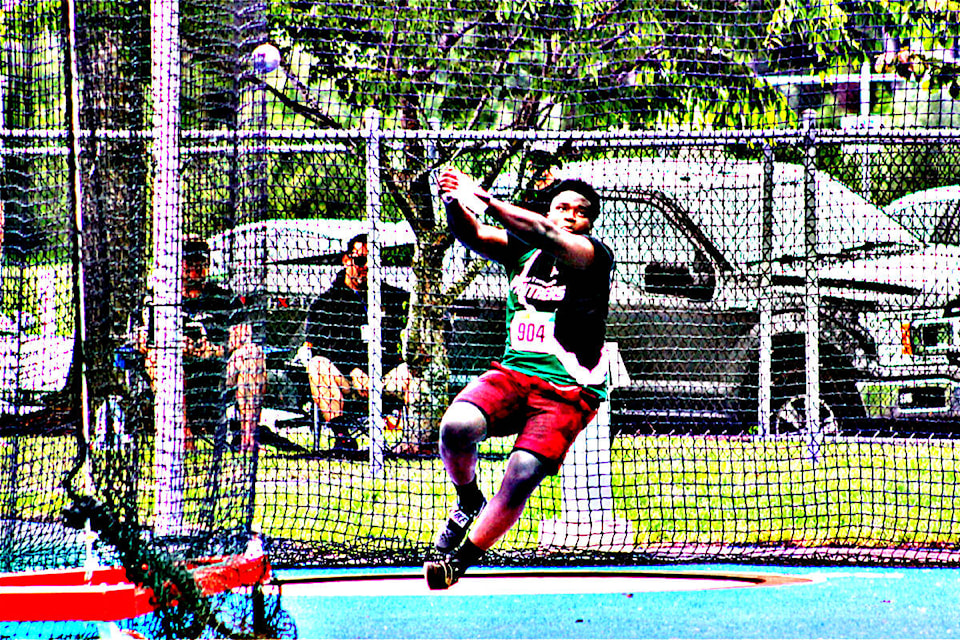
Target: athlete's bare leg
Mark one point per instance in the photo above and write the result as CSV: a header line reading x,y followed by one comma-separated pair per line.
x,y
524,474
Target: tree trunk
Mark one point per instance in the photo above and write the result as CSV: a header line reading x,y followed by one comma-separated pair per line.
x,y
111,58
424,347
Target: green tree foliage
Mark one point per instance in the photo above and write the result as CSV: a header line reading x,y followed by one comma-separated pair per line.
x,y
534,64
602,63
920,41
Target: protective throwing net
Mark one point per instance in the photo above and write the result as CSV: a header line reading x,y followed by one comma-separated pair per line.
x,y
780,192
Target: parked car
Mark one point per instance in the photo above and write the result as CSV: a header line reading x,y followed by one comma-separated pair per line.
x,y
933,214
931,336
32,366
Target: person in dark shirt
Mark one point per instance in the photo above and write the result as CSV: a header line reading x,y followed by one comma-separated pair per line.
x,y
220,358
336,333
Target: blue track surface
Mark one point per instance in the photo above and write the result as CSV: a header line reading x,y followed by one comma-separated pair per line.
x,y
839,603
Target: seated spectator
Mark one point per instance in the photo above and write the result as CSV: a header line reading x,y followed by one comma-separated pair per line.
x,y
335,344
220,359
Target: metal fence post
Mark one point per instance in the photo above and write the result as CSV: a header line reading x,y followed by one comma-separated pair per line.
x,y
765,377
811,298
866,188
374,279
167,238
587,518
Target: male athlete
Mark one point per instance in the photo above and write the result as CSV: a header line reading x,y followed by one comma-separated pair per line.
x,y
552,376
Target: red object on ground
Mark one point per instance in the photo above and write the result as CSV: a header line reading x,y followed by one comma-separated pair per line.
x,y
105,594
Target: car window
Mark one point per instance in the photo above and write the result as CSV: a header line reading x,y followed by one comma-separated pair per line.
x,y
846,221
933,214
654,253
947,230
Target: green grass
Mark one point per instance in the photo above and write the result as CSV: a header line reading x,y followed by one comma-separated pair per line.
x,y
674,491
35,467
734,491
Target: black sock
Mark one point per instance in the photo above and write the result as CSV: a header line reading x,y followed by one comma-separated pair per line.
x,y
468,554
469,495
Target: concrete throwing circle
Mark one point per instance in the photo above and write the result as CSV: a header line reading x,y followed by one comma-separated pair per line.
x,y
526,582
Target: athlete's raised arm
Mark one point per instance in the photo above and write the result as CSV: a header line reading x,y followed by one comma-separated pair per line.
x,y
561,232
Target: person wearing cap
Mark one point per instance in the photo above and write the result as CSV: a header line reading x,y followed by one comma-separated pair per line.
x,y
220,358
335,346
552,377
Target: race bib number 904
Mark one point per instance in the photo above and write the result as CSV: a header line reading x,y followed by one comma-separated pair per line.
x,y
532,331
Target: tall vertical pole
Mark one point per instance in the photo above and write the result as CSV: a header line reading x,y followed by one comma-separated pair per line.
x,y
374,303
765,377
811,298
76,202
259,183
8,452
169,418
587,518
866,188
75,196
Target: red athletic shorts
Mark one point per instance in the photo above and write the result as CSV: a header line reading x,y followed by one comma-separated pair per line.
x,y
546,417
